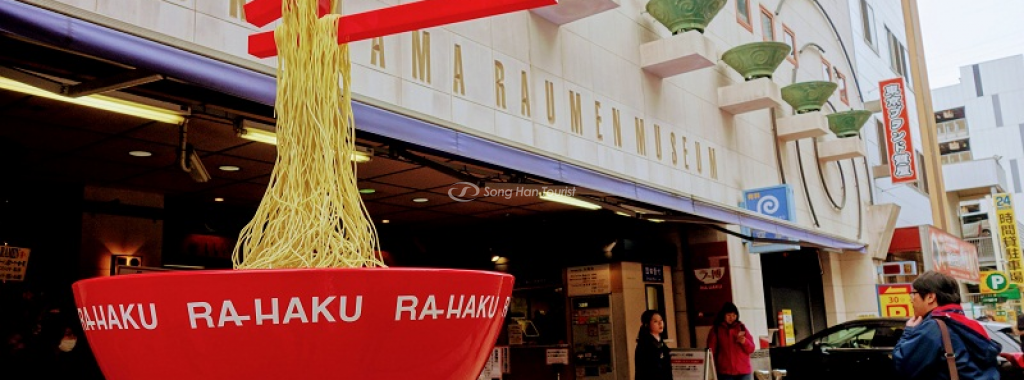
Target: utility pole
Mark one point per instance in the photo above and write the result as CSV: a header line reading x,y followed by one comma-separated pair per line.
x,y
926,118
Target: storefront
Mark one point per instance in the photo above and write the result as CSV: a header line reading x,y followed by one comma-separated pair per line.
x,y
915,250
461,118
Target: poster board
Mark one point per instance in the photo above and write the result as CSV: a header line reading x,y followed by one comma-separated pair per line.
x,y
13,263
589,280
692,364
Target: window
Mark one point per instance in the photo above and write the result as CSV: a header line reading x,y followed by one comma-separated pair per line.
x,y
867,336
841,79
897,54
883,138
826,70
867,15
767,24
790,39
743,14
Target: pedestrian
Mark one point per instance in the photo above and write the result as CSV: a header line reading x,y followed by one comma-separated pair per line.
x,y
922,353
1020,330
652,355
731,344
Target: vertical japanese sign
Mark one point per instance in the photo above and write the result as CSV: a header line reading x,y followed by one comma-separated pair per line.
x,y
899,142
13,263
1011,241
787,334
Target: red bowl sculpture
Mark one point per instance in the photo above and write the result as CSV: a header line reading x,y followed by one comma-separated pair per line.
x,y
389,323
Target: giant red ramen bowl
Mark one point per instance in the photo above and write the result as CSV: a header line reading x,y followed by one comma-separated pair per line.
x,y
431,324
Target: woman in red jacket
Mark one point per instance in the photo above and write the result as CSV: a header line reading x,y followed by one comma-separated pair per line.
x,y
731,343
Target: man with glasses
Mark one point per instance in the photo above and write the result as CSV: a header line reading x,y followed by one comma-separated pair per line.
x,y
921,354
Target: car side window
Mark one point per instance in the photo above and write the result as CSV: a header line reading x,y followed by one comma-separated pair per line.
x,y
861,337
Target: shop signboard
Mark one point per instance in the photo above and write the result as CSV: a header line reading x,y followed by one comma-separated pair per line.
x,y
953,256
894,300
654,273
777,202
590,280
13,263
786,328
692,364
899,143
993,282
1010,238
993,299
557,356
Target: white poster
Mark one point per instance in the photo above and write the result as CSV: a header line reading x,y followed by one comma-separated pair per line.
x,y
692,364
590,280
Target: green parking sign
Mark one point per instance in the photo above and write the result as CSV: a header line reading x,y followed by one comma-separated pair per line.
x,y
994,282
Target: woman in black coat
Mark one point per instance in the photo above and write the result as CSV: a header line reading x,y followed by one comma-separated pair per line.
x,y
652,355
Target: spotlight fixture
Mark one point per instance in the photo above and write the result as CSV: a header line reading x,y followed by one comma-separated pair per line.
x,y
385,221
218,199
552,197
229,168
420,200
102,102
260,132
495,259
140,153
367,191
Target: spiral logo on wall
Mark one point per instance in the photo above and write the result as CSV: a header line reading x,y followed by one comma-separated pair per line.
x,y
768,205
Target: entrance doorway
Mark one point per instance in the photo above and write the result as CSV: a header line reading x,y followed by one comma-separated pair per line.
x,y
793,281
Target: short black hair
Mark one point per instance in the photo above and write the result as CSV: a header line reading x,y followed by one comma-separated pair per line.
x,y
944,287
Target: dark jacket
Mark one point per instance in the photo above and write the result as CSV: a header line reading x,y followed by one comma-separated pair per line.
x,y
652,359
919,354
731,358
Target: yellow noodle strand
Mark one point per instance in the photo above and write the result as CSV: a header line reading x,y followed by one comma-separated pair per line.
x,y
312,215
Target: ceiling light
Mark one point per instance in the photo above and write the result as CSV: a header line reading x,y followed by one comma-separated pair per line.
x,y
385,221
495,259
263,133
230,168
657,220
100,102
420,200
140,153
367,191
218,199
258,135
569,201
622,213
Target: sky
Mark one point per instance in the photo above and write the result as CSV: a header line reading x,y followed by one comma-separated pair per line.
x,y
956,34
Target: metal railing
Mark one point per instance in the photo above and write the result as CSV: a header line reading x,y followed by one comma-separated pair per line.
x,y
986,249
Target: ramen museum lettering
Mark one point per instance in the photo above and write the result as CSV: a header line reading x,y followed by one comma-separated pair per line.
x,y
681,149
284,311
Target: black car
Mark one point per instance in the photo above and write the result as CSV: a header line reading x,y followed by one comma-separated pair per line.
x,y
862,349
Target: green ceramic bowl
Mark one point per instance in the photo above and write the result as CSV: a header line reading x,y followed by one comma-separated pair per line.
x,y
808,96
684,15
848,123
756,60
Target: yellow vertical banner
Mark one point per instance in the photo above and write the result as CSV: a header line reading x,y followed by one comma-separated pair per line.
x,y
1010,239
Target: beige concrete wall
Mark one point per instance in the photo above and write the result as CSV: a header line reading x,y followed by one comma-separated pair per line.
x,y
596,58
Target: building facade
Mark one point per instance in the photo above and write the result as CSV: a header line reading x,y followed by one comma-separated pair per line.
x,y
604,100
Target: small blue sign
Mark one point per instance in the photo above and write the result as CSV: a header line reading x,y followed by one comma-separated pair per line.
x,y
777,202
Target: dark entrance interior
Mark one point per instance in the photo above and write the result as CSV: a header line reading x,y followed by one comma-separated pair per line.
x,y
793,280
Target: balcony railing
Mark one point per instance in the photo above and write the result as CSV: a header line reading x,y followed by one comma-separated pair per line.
x,y
986,250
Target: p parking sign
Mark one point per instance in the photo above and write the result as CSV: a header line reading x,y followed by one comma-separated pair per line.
x,y
994,282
